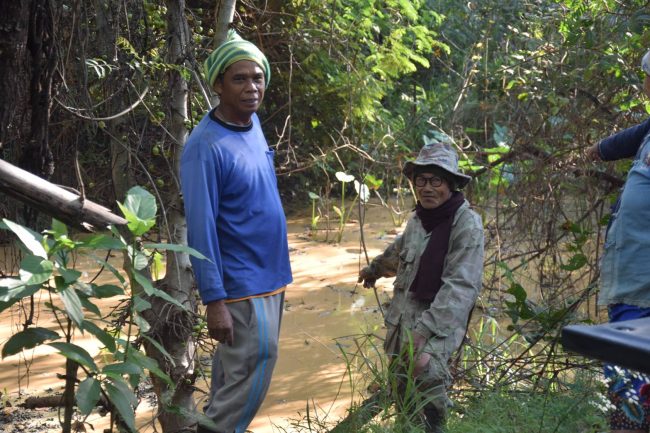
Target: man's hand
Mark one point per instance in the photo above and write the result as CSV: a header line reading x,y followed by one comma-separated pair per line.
x,y
593,153
421,358
367,277
220,322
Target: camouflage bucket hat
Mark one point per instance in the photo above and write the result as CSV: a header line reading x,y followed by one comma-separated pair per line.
x,y
441,155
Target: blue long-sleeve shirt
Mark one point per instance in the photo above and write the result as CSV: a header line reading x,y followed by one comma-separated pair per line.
x,y
233,211
623,144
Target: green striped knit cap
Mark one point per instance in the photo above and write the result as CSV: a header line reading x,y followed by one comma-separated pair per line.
x,y
233,50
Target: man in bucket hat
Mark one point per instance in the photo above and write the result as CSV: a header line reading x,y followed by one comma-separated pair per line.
x,y
235,219
438,265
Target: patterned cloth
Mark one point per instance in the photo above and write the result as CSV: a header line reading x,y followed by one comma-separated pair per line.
x,y
629,391
233,50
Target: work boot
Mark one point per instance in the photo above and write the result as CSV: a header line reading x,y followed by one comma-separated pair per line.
x,y
433,420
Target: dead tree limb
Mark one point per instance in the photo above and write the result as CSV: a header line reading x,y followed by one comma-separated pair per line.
x,y
55,201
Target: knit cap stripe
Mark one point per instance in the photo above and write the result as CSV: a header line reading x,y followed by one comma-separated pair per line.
x,y
232,52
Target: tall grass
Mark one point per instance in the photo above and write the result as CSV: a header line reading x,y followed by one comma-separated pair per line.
x,y
502,384
578,408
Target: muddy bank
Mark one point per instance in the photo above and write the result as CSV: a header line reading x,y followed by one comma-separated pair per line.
x,y
324,309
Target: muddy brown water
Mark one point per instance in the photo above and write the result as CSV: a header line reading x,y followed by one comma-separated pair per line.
x,y
323,306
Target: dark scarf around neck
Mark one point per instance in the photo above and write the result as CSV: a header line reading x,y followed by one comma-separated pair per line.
x,y
438,222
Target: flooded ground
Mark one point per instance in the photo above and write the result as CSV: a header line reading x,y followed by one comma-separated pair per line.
x,y
324,306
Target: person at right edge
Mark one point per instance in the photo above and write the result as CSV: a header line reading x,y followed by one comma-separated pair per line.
x,y
624,268
438,265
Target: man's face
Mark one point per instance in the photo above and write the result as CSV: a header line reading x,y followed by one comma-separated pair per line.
x,y
241,90
431,189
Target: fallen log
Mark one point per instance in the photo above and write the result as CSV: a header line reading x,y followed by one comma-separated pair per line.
x,y
66,206
45,401
57,400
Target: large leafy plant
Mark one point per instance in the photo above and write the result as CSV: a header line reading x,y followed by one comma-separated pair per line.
x,y
48,266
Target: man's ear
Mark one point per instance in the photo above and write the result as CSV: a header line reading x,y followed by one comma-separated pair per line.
x,y
218,85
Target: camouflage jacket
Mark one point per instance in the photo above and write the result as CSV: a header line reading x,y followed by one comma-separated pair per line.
x,y
442,322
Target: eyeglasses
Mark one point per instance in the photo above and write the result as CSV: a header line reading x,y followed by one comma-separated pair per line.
x,y
421,181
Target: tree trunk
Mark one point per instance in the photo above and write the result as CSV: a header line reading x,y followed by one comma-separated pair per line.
x,y
37,157
27,62
223,15
121,172
172,327
14,19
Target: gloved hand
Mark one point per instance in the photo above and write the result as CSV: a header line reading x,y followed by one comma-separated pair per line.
x,y
367,277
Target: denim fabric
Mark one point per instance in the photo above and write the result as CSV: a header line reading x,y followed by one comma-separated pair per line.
x,y
625,266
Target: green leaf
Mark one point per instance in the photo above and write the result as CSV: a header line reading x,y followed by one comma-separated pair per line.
x,y
88,394
157,266
136,226
30,337
160,348
83,288
139,209
176,248
122,398
35,270
69,275
372,181
150,290
75,353
85,302
144,282
575,262
59,228
117,274
338,211
149,364
169,298
72,305
497,150
31,240
140,304
141,323
141,203
501,135
313,196
120,368
103,242
9,295
140,260
9,284
107,339
518,291
107,291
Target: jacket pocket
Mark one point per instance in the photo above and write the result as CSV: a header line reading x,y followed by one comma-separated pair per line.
x,y
405,268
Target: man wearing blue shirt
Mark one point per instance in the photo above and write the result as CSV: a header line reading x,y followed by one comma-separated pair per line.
x,y
235,218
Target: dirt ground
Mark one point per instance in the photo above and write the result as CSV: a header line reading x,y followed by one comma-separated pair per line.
x,y
324,307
